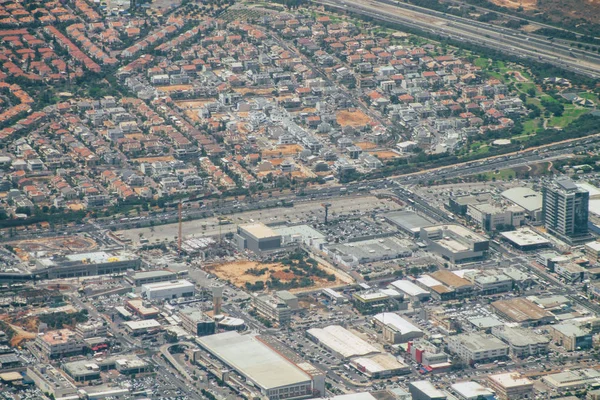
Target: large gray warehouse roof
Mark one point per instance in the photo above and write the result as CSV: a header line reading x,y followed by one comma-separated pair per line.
x,y
253,359
527,198
408,220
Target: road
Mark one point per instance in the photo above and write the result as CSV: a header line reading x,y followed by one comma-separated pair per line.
x,y
468,31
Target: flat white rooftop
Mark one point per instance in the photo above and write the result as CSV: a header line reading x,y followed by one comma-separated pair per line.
x,y
525,237
259,230
397,322
342,341
409,288
254,360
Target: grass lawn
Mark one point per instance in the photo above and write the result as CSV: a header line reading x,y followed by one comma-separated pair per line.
x,y
571,114
530,127
589,96
535,101
481,62
502,175
524,87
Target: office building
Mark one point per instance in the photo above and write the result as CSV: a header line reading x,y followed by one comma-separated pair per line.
x,y
528,199
141,278
565,211
91,329
491,218
571,336
196,322
168,290
86,264
475,347
522,342
592,251
272,308
472,391
427,354
289,299
51,381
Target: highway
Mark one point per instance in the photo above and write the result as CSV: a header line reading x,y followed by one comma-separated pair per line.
x,y
453,27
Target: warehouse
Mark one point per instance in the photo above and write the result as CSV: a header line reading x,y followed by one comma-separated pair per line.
x,y
87,264
522,311
525,239
425,390
274,375
341,342
380,366
366,251
258,237
395,328
168,290
573,380
410,290
472,391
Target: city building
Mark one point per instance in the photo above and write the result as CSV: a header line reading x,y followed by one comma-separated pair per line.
x,y
425,390
427,354
511,385
396,329
470,390
475,347
59,343
272,308
141,327
51,381
89,370
168,290
196,322
142,278
522,342
289,299
371,301
571,336
573,380
460,204
142,308
341,342
565,211
571,272
455,243
258,237
273,375
91,329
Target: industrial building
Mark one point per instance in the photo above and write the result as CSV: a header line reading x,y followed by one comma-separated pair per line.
x,y
169,290
289,299
460,286
258,237
140,327
87,264
196,322
472,391
592,251
89,370
530,200
460,204
425,390
372,300
475,347
573,380
525,239
273,375
511,385
341,342
59,343
51,381
522,342
571,337
142,278
454,242
571,272
272,308
396,329
565,211
410,290
91,329
335,296
522,311
490,281
380,366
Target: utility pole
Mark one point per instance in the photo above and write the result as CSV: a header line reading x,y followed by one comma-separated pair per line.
x,y
179,207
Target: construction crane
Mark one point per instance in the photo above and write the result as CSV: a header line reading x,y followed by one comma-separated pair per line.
x,y
326,206
179,207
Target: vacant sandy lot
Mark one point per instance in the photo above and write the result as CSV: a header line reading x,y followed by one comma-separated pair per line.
x,y
282,150
153,159
256,91
193,103
385,154
366,145
354,118
174,88
235,272
527,5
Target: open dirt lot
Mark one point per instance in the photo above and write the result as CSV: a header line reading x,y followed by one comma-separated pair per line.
x,y
60,243
528,5
354,118
193,103
260,92
153,159
174,88
282,150
385,154
236,273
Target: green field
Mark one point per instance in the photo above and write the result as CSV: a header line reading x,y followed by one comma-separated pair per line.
x,y
571,114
